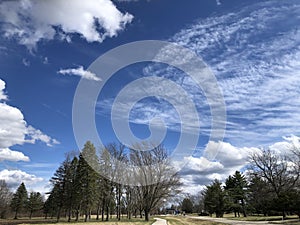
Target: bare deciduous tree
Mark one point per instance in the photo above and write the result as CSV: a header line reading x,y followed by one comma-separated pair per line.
x,y
155,177
280,171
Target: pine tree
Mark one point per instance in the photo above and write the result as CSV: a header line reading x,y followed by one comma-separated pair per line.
x,y
19,200
187,205
236,191
35,203
214,201
86,178
63,182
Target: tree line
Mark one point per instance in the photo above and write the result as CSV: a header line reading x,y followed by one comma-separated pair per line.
x,y
270,186
96,183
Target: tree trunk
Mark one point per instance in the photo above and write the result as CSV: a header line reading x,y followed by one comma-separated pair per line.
x,y
283,214
58,215
86,217
243,208
16,215
69,215
98,211
146,215
77,213
107,213
30,215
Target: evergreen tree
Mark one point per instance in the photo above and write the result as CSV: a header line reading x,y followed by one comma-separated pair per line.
x,y
214,201
35,203
187,205
62,183
236,193
260,195
87,177
19,200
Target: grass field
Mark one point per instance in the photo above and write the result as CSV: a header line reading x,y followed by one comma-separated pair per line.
x,y
41,221
188,221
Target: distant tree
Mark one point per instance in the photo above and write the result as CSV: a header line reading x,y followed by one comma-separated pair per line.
x,y
198,202
187,205
19,200
214,199
236,192
5,198
35,203
278,172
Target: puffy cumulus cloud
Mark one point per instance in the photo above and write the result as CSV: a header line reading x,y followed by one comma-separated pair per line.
x,y
30,21
81,72
287,145
10,155
13,127
2,87
201,171
14,130
201,165
229,155
14,177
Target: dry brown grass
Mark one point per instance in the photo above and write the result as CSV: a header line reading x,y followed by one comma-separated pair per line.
x,y
179,220
41,221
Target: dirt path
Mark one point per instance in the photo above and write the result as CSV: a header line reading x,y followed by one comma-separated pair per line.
x,y
228,221
159,222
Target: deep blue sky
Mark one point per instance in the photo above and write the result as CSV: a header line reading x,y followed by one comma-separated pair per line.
x,y
251,46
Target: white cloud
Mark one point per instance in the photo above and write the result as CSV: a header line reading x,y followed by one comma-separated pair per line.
x,y
26,62
81,72
15,130
15,177
255,57
37,135
10,155
30,21
13,127
229,155
200,171
3,96
256,63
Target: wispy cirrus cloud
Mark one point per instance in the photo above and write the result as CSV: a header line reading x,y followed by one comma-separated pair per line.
x,y
254,54
81,72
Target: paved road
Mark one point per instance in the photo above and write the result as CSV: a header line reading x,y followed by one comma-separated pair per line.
x,y
227,221
160,222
